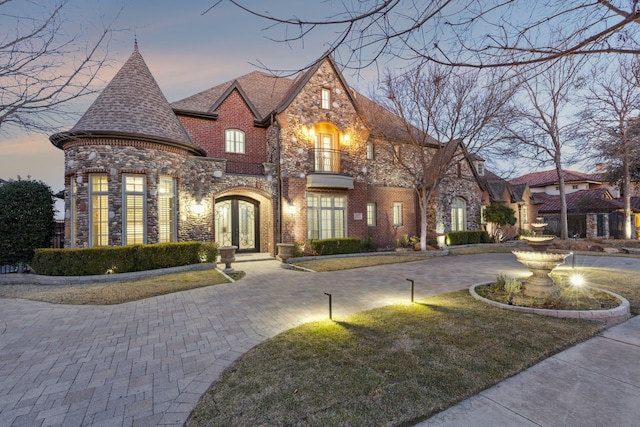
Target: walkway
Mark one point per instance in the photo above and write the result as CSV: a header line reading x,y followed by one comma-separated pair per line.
x,y
147,363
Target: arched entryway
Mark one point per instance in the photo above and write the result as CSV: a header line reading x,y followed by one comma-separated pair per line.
x,y
237,223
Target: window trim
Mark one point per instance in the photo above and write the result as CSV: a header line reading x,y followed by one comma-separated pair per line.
x,y
463,209
371,214
234,145
172,196
325,98
137,222
103,195
370,151
318,209
398,214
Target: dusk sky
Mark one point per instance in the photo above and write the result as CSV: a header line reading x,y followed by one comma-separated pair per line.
x,y
186,51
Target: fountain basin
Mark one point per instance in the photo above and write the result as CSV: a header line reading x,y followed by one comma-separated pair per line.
x,y
540,285
609,317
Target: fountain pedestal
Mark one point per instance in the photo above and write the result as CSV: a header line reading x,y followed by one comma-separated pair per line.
x,y
540,285
540,263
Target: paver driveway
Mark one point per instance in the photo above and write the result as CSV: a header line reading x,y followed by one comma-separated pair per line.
x,y
148,362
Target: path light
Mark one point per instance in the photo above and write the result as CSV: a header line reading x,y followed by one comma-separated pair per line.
x,y
577,280
409,280
330,314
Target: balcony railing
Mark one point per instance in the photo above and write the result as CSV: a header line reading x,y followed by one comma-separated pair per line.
x,y
326,161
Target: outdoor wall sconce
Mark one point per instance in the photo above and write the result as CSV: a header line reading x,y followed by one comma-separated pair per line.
x,y
330,308
197,208
291,208
412,285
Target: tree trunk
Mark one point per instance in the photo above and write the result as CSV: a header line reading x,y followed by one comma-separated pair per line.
x,y
626,187
563,203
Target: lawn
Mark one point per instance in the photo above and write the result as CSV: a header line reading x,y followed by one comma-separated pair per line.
x,y
115,292
394,365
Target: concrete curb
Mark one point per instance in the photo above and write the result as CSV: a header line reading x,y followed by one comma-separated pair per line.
x,y
609,317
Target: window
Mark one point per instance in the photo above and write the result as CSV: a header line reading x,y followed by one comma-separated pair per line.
x,y
458,214
326,99
483,220
167,209
133,206
326,216
397,214
74,213
234,141
480,168
575,187
98,210
369,150
371,214
525,215
396,154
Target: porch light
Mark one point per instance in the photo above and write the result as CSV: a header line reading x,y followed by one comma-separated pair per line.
x,y
312,133
197,208
291,209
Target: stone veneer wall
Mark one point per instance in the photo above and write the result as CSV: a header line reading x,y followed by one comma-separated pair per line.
x,y
305,111
195,183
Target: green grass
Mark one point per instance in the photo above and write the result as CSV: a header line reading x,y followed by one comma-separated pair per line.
x,y
394,365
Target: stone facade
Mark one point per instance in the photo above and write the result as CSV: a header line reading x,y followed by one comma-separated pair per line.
x,y
307,140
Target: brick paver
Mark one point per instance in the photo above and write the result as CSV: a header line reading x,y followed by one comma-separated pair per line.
x,y
148,362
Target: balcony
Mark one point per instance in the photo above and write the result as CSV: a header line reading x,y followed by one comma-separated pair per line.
x,y
327,171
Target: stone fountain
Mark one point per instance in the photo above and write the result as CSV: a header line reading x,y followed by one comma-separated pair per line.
x,y
540,262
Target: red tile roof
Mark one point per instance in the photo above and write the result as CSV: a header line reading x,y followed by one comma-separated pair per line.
x,y
585,201
550,177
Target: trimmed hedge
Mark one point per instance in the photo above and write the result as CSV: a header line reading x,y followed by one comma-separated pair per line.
x,y
344,245
121,259
467,237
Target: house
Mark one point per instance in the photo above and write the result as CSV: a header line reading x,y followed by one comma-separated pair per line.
x,y
594,207
518,197
251,162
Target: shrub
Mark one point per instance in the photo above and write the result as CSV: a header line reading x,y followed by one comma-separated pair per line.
x,y
121,259
344,245
26,220
454,238
368,244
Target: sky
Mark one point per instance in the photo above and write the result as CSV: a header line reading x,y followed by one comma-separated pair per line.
x,y
187,52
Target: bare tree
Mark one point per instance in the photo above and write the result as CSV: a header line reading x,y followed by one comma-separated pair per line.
x,y
611,120
438,115
538,132
42,68
477,33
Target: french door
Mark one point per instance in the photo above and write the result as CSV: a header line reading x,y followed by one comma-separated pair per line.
x,y
236,223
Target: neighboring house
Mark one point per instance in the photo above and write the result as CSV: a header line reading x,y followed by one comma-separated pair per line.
x,y
547,182
594,208
251,162
516,196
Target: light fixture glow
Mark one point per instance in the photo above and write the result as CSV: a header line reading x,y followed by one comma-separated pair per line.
x,y
577,280
291,208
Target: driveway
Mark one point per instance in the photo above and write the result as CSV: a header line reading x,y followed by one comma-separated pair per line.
x,y
147,363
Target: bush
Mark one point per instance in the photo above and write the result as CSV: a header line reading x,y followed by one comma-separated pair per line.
x,y
26,220
344,245
368,244
454,238
121,259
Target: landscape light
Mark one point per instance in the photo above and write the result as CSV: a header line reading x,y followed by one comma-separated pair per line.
x,y
412,285
577,280
330,314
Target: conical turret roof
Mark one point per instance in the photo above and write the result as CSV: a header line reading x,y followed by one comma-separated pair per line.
x,y
131,105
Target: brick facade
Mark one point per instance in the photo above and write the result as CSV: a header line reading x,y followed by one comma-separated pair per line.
x,y
299,150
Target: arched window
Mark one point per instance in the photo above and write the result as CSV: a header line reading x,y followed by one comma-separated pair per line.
x,y
458,214
234,141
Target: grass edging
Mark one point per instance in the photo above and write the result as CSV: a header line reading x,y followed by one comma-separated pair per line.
x,y
610,317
